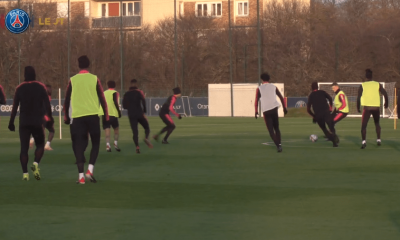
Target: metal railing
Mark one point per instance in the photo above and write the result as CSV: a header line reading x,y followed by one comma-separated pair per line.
x,y
114,22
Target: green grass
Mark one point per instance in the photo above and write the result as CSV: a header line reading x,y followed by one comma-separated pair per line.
x,y
214,181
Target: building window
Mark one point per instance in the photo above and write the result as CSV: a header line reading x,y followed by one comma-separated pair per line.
x,y
104,10
113,9
181,9
209,9
87,9
62,10
243,9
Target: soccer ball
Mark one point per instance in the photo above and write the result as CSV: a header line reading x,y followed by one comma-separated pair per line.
x,y
313,138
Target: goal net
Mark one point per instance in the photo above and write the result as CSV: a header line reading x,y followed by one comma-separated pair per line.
x,y
351,91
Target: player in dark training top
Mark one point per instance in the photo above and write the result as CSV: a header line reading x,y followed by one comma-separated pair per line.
x,y
33,102
2,96
167,107
321,113
369,97
134,101
47,125
266,93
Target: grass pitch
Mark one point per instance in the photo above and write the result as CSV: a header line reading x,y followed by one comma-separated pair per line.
x,y
216,180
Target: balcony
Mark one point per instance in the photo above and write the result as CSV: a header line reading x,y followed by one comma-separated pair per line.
x,y
114,22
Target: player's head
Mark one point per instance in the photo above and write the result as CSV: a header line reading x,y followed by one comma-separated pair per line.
x,y
265,77
48,89
83,62
111,84
177,92
133,83
30,74
368,74
314,86
335,86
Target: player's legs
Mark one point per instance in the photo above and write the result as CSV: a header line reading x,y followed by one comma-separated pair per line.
x,y
38,135
171,128
24,136
134,126
107,132
79,136
145,124
376,115
322,124
95,135
275,122
269,121
364,123
50,136
339,116
115,126
331,125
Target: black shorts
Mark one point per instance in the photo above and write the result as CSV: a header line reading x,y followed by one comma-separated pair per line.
x,y
25,132
112,123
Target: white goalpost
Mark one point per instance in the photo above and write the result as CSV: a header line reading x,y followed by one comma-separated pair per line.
x,y
59,111
351,91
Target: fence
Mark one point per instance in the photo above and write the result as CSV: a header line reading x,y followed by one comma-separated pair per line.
x,y
297,42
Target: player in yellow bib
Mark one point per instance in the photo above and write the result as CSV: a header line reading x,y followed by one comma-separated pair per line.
x,y
112,99
341,104
85,94
369,97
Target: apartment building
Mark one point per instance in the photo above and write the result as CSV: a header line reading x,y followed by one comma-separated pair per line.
x,y
106,14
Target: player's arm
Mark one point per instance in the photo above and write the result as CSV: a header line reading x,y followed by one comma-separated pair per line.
x,y
327,96
115,98
67,103
360,92
125,101
342,99
47,104
15,106
278,93
2,96
102,99
258,95
143,101
171,106
384,93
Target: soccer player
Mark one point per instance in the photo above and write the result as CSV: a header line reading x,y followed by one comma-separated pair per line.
x,y
34,104
341,104
112,98
135,102
369,98
267,92
321,113
167,107
47,125
85,94
2,96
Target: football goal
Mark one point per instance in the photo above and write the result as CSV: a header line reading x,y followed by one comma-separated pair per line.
x,y
351,91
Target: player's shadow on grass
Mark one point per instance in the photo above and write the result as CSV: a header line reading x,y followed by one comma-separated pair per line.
x,y
391,143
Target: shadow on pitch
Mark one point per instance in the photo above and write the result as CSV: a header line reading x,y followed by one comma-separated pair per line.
x,y
395,218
